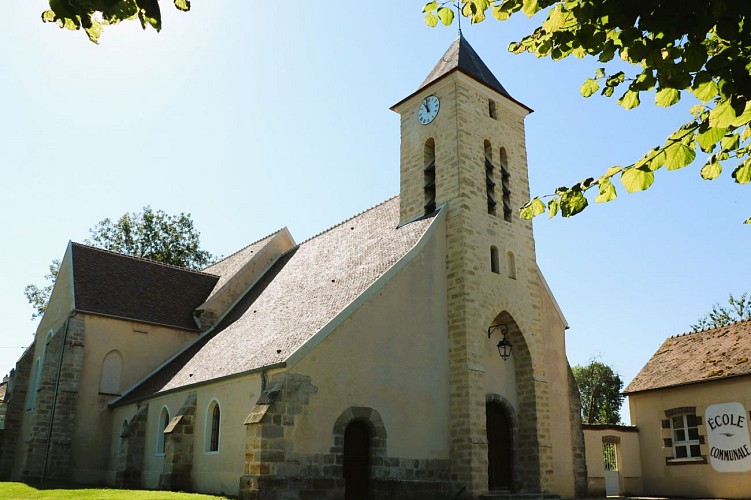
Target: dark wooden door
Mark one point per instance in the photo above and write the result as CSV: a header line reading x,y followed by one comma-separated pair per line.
x,y
356,461
500,457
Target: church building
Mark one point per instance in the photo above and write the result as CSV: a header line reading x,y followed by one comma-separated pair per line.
x,y
412,351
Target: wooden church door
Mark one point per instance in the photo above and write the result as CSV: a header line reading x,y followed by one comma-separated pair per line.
x,y
356,461
500,458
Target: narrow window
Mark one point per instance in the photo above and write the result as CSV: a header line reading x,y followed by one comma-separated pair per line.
x,y
121,442
429,174
213,421
34,387
685,431
505,186
489,181
491,109
494,264
511,265
112,366
161,426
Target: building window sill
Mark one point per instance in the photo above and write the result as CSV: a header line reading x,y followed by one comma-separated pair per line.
x,y
686,461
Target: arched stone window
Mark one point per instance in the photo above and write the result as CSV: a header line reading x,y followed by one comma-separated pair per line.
x,y
162,424
494,261
505,185
429,174
511,265
112,367
213,426
490,178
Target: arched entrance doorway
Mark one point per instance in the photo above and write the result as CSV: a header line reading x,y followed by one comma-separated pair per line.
x,y
500,449
356,460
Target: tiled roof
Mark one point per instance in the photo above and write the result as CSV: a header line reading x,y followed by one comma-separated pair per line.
x,y
697,357
228,266
296,298
143,290
462,57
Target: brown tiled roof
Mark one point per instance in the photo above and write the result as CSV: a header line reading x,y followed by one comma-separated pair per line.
x,y
228,266
697,357
298,296
112,284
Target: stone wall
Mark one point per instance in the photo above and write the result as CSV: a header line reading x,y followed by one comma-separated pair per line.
x,y
133,447
273,470
178,448
16,400
577,433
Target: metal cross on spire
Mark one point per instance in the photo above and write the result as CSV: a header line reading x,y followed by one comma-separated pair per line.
x,y
459,16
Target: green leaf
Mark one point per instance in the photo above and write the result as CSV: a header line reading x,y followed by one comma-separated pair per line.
x,y
611,172
711,170
704,87
589,87
744,118
742,173
446,15
431,20
709,138
530,7
667,97
572,202
747,221
722,115
607,192
430,7
730,143
678,155
500,13
746,133
658,160
553,206
183,5
629,100
637,179
532,209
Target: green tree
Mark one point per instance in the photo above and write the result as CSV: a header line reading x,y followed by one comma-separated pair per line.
x,y
94,15
149,234
600,389
738,309
674,47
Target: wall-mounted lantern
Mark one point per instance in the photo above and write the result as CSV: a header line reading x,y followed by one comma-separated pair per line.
x,y
504,346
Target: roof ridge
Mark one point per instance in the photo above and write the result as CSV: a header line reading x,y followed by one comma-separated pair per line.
x,y
707,330
243,248
347,220
142,259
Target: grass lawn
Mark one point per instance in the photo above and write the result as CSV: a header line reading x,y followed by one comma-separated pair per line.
x,y
23,491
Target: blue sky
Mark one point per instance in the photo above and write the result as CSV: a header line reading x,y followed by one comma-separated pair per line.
x,y
255,119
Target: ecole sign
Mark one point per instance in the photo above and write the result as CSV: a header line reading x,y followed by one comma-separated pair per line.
x,y
727,434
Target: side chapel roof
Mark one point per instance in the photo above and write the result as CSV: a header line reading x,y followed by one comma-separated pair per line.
x,y
118,285
697,357
302,293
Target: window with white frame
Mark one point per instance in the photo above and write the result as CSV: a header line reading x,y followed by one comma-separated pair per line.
x,y
685,434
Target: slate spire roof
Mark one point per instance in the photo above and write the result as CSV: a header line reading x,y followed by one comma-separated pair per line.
x,y
697,357
460,56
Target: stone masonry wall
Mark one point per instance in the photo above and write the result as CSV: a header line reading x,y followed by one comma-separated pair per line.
x,y
275,471
178,448
577,433
132,450
16,400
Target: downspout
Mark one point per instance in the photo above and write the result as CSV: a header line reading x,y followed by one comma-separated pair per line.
x,y
54,398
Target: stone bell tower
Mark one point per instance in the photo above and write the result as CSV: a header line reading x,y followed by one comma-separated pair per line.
x,y
463,150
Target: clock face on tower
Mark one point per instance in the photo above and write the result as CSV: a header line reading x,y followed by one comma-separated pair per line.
x,y
428,109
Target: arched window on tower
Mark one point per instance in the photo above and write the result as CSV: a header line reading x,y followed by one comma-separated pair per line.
x,y
429,173
489,180
511,265
112,367
505,185
494,261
